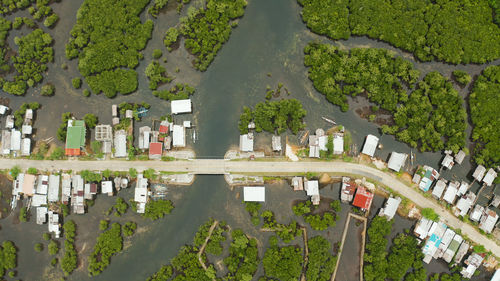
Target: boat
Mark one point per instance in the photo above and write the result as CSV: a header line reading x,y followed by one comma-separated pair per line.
x,y
329,120
142,111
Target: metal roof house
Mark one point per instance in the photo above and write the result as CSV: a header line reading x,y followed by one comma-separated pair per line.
x,y
15,140
103,133
452,248
28,187
141,193
181,106
459,157
246,142
432,245
9,122
488,221
5,142
54,224
42,184
276,143
179,136
476,213
397,161
448,162
27,129
390,208
297,183
155,150
451,192
479,173
363,198
65,188
462,251
75,137
26,147
428,176
338,144
370,145
53,191
464,204
107,187
144,134
38,200
314,146
473,262
439,188
489,177
120,144
347,190
312,189
422,228
3,109
41,215
463,188
445,242
254,194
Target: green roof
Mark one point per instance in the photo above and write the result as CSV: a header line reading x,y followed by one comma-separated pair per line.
x,y
75,136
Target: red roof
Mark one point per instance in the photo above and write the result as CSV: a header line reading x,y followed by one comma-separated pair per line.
x,y
163,129
363,198
155,148
72,151
93,188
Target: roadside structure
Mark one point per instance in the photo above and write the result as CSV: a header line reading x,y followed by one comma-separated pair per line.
x,y
397,161
297,183
390,208
464,204
254,194
488,220
479,173
363,198
181,106
312,189
370,145
473,262
141,193
347,190
338,144
179,136
439,188
120,144
246,142
276,143
75,137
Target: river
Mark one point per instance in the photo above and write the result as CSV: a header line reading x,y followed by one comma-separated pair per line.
x,y
269,39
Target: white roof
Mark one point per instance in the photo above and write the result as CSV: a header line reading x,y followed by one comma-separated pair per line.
x,y
397,161
254,194
26,147
370,146
41,215
246,142
490,177
181,106
107,186
322,140
29,113
463,188
144,139
186,124
451,192
314,151
276,143
26,129
41,186
141,181
9,122
311,187
53,192
54,223
5,142
39,200
120,144
448,161
140,194
465,203
422,228
15,140
439,189
179,136
391,206
488,221
338,144
476,213
479,172
3,109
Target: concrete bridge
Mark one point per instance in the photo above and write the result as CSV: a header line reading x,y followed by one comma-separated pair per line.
x,y
221,166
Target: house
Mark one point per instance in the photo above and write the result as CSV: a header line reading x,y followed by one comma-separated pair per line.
x,y
186,124
17,184
6,142
445,242
114,110
489,177
439,188
476,213
363,198
488,220
15,140
479,173
181,106
53,191
141,193
179,136
77,196
312,190
9,122
464,204
129,114
428,176
459,157
370,145
75,137
86,192
65,188
276,143
462,251
347,190
155,150
254,194
431,246
28,115
448,162
423,227
41,215
38,200
103,133
54,224
452,248
144,134
246,142
27,129
463,188
115,121
473,262
107,187
390,208
397,161
28,187
120,144
338,144
495,202
107,147
25,147
3,109
297,183
42,184
451,192
314,146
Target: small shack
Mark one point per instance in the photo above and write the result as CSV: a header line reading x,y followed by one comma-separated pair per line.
x,y
246,142
338,144
297,183
459,157
390,208
254,194
276,143
179,136
397,161
370,145
347,190
489,177
181,106
479,173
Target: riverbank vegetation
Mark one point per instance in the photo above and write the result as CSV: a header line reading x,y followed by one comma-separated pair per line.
x,y
253,209
462,77
108,243
321,263
433,118
282,263
108,48
287,233
405,255
243,258
484,102
375,259
274,116
177,92
70,258
316,221
157,75
206,29
376,73
449,31
214,246
156,209
8,257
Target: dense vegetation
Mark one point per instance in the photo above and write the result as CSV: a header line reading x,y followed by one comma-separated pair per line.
x,y
70,258
484,102
376,256
34,52
108,47
177,92
214,246
283,263
448,30
156,209
8,257
405,255
374,72
19,113
253,209
206,29
287,233
462,77
274,116
157,6
157,75
108,243
163,274
243,258
433,118
316,221
63,128
321,262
